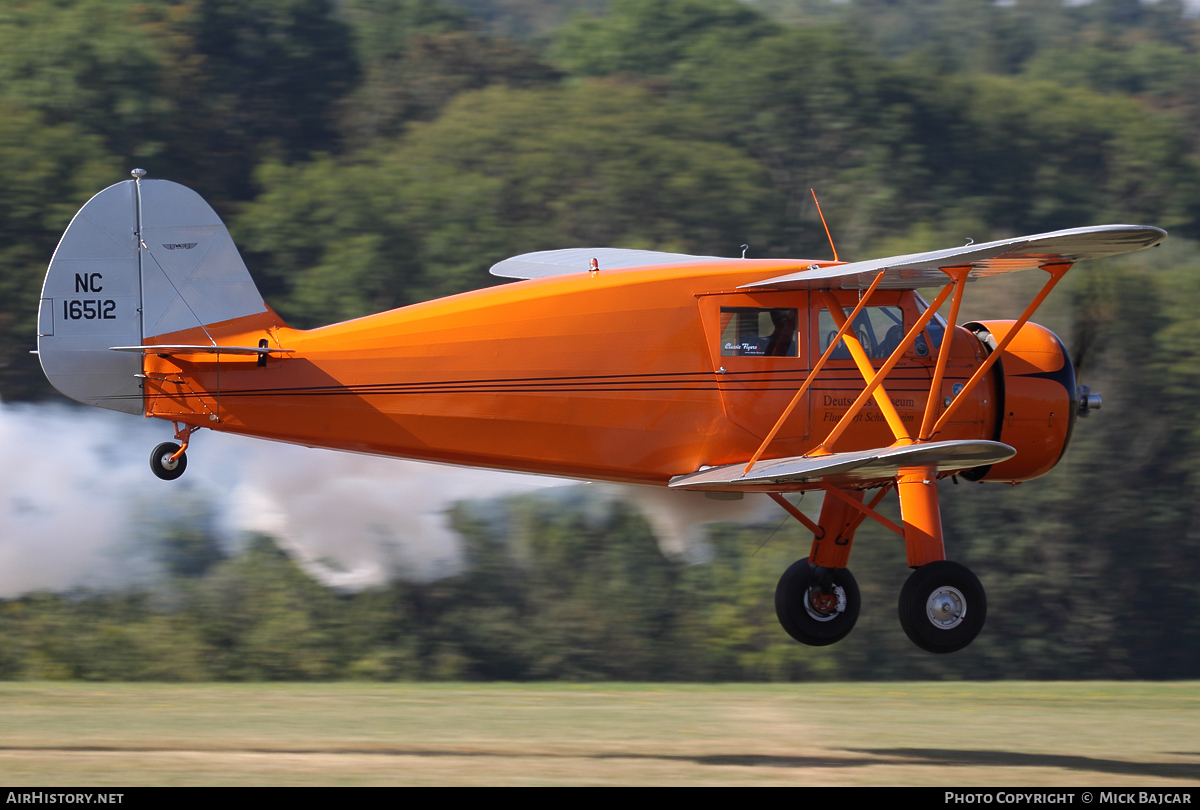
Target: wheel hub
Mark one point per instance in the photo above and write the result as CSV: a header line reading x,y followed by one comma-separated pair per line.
x,y
168,463
824,607
946,607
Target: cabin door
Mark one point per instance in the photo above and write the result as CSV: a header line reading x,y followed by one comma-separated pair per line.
x,y
759,345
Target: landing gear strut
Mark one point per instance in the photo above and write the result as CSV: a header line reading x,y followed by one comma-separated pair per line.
x,y
817,599
942,605
169,460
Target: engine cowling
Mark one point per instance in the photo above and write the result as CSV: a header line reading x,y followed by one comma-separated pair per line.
x,y
1037,403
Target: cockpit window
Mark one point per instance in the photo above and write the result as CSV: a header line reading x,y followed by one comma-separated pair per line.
x,y
754,332
878,329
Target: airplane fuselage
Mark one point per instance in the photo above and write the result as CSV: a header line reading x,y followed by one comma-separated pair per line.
x,y
629,375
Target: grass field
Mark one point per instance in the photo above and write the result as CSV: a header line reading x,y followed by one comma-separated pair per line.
x,y
1083,734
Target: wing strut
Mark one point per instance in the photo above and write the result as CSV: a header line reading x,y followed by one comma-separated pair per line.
x,y
876,382
843,328
1056,271
959,274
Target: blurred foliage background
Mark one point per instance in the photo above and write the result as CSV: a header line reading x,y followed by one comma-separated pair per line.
x,y
369,154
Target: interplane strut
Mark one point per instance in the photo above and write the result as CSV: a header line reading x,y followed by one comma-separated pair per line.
x,y
812,375
876,382
1056,271
916,486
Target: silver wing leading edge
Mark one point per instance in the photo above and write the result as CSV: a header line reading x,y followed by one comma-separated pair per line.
x,y
915,270
859,468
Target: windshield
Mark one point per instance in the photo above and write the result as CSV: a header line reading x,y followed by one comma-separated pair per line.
x,y
878,329
935,329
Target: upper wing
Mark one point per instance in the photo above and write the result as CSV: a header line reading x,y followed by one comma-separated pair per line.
x,y
860,467
1023,253
578,260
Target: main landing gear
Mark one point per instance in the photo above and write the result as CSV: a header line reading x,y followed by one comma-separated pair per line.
x,y
168,460
817,606
942,607
942,604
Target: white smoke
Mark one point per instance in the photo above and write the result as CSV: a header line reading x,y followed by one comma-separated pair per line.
x,y
678,519
75,487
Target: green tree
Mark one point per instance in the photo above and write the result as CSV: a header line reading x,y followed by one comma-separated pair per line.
x,y
415,82
501,172
46,173
890,143
274,69
650,37
262,618
198,92
183,541
416,55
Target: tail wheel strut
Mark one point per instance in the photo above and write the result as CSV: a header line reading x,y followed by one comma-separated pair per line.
x,y
168,460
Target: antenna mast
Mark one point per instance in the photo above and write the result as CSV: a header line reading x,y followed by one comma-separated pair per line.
x,y
827,234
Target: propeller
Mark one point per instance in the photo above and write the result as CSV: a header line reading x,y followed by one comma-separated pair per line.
x,y
1087,325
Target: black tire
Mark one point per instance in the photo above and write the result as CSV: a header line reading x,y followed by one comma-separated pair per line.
x,y
801,619
942,607
163,468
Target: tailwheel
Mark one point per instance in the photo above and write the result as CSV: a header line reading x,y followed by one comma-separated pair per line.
x,y
942,607
164,465
817,606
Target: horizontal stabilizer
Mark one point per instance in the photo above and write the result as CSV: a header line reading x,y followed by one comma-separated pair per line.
x,y
545,263
200,348
913,270
845,469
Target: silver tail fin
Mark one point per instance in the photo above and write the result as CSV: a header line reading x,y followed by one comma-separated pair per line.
x,y
142,259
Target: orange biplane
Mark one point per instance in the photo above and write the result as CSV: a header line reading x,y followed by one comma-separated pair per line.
x,y
690,372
